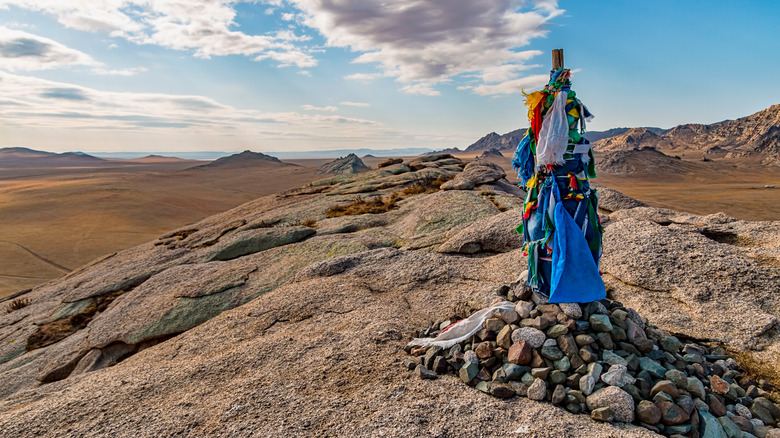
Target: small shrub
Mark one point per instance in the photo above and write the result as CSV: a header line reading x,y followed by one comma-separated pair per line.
x,y
17,304
311,223
424,184
414,189
439,181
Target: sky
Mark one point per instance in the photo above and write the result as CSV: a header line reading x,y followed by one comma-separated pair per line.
x,y
306,75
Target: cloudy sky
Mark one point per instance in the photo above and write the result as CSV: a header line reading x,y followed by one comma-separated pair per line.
x,y
290,75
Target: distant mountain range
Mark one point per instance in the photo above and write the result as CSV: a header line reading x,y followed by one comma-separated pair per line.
x,y
755,135
25,157
282,155
510,140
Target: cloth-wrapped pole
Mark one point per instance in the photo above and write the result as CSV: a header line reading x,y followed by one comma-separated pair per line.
x,y
561,228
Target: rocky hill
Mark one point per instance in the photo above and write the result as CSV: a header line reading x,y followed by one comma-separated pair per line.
x,y
286,316
24,157
157,159
344,166
754,135
645,161
508,141
634,138
451,151
491,153
243,159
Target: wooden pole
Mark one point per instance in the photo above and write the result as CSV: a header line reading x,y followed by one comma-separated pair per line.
x,y
557,59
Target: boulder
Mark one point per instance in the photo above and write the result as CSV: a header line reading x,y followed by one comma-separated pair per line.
x,y
493,234
534,337
615,398
474,174
253,241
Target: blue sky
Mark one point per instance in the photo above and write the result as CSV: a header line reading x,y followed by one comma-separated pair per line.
x,y
291,75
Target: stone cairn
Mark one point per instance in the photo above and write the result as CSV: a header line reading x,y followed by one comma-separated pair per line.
x,y
603,359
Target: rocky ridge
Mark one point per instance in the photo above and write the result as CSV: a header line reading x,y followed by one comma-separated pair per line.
x,y
345,165
274,318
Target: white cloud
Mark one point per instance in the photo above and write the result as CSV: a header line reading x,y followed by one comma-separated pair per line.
x,y
288,58
362,77
358,104
204,27
319,108
66,113
21,50
420,88
18,25
119,72
506,72
420,43
427,42
511,86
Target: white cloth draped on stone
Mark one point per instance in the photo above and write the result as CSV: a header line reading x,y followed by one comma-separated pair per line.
x,y
463,329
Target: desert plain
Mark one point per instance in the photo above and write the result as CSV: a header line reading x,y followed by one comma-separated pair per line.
x,y
54,219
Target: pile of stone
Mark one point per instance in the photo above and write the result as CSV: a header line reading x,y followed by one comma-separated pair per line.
x,y
604,359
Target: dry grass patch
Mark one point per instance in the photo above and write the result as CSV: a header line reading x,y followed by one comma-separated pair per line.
x,y
757,369
311,223
374,205
17,304
379,204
